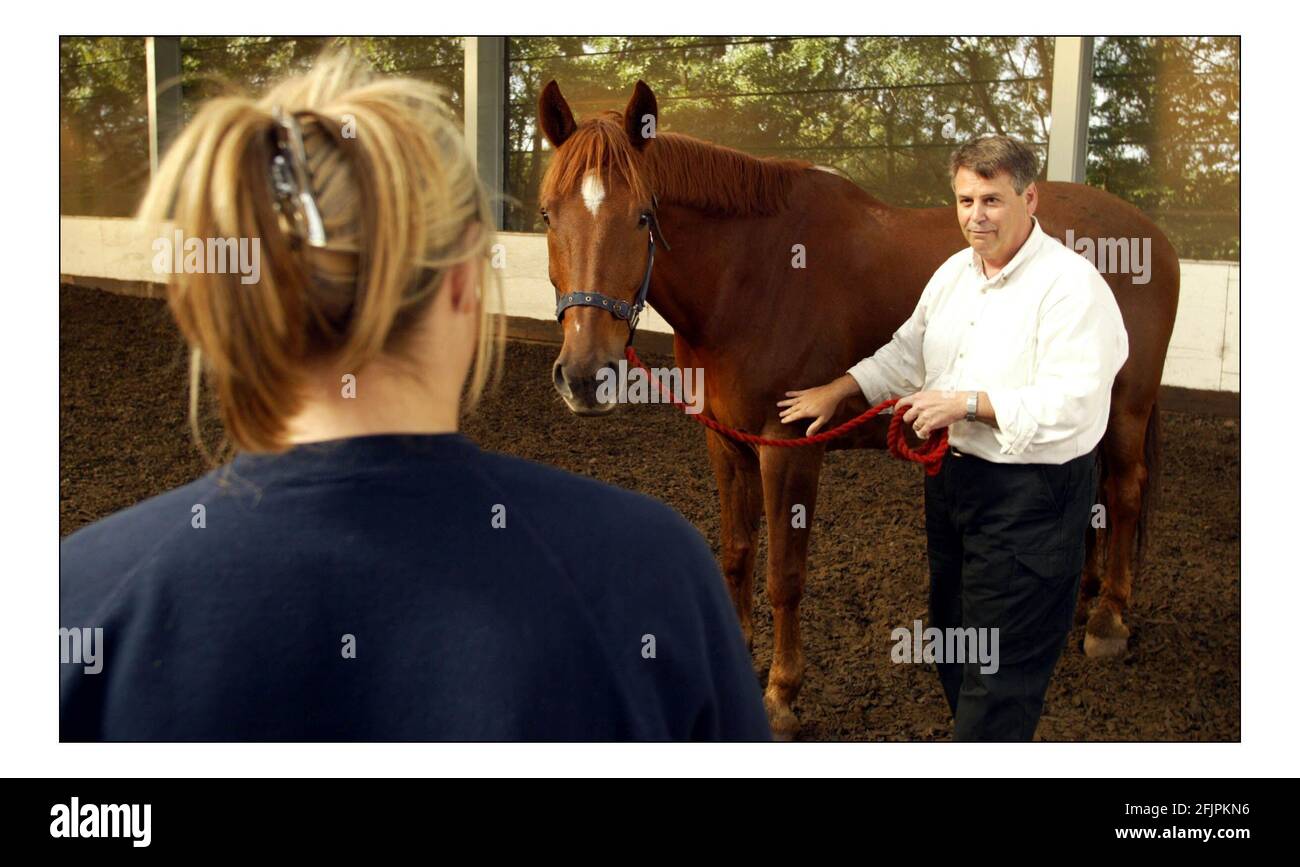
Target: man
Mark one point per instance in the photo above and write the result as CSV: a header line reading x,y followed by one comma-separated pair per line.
x,y
1013,346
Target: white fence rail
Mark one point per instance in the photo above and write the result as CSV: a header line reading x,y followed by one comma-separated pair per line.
x,y
1204,353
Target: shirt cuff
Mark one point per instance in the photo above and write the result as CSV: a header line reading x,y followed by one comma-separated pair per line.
x,y
870,381
1016,427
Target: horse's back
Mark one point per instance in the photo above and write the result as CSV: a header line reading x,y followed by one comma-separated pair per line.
x,y
1145,280
1081,217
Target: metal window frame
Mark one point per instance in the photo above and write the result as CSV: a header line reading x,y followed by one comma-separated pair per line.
x,y
163,68
486,81
1067,139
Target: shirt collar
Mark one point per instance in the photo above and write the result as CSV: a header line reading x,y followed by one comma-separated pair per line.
x,y
1026,252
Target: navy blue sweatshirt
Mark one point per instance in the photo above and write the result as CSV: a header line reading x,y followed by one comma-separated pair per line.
x,y
400,587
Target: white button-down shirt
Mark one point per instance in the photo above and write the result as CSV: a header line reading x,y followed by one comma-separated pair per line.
x,y
1043,338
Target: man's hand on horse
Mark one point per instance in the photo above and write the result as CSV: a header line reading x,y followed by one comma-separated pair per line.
x,y
929,411
818,404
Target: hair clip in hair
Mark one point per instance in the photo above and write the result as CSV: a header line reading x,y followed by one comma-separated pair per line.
x,y
291,181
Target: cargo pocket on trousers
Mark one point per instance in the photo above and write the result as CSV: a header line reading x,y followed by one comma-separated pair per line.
x,y
1042,609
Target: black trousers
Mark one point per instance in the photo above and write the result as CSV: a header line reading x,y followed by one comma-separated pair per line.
x,y
1006,550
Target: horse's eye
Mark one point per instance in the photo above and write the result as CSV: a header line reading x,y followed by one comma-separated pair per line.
x,y
546,217
645,219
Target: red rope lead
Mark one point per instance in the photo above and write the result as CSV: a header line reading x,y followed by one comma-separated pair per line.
x,y
929,454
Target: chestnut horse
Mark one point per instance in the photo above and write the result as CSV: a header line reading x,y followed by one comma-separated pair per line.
x,y
758,325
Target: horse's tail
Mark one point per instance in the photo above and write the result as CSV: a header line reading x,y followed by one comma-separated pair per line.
x,y
1151,452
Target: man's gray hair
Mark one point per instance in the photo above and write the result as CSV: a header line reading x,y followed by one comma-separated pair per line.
x,y
990,156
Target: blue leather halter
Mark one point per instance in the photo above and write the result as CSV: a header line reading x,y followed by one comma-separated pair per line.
x,y
628,310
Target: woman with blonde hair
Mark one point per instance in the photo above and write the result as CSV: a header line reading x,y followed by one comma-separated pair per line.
x,y
361,570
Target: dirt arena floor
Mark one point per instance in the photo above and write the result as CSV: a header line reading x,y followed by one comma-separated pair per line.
x,y
123,437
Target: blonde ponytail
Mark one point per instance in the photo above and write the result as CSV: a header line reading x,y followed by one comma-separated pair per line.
x,y
401,205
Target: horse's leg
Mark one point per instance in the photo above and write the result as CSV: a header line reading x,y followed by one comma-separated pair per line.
x,y
740,490
1090,585
1126,477
789,480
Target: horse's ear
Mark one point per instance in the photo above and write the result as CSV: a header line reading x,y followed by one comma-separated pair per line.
x,y
641,117
554,116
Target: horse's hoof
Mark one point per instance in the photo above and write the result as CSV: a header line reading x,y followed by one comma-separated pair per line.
x,y
1104,648
1107,636
785,725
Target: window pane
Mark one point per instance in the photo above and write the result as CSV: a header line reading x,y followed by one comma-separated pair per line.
x,y
103,98
1165,134
103,125
255,62
885,111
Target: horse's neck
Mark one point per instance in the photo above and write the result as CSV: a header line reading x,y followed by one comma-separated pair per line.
x,y
697,180
693,280
697,286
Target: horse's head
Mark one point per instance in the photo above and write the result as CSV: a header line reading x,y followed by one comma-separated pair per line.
x,y
598,207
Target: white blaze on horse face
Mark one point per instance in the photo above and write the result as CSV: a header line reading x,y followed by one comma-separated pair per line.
x,y
593,192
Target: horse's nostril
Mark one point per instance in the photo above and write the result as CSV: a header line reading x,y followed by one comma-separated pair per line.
x,y
557,375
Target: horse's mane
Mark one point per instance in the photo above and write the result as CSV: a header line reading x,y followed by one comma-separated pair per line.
x,y
677,168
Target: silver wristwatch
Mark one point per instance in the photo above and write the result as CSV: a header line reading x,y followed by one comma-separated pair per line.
x,y
972,406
